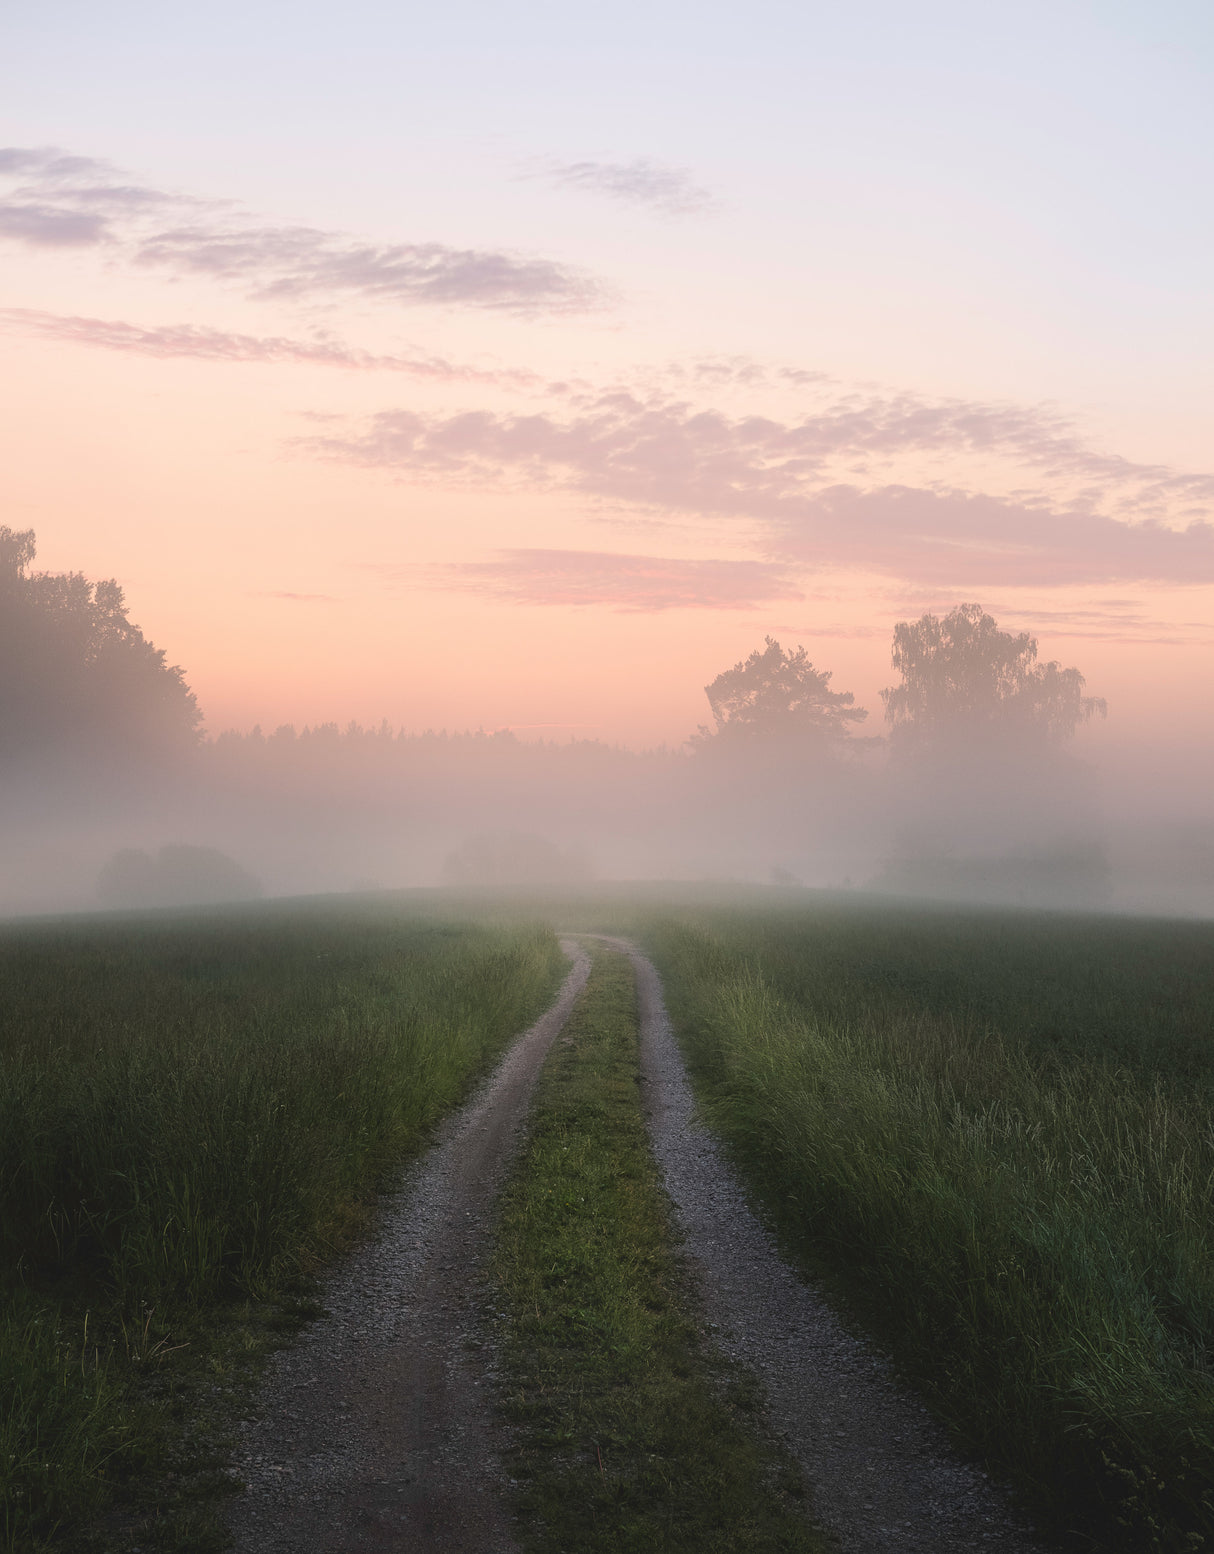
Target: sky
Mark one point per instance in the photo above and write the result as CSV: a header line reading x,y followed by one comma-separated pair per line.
x,y
525,366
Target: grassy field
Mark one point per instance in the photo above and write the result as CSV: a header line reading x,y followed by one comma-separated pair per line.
x,y
629,1436
989,1132
992,1133
194,1113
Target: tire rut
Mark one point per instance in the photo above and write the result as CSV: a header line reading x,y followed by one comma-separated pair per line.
x,y
377,1432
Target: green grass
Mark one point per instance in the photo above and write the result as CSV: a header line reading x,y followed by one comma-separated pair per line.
x,y
629,1438
194,1115
992,1132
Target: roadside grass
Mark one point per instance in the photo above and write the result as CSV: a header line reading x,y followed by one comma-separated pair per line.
x,y
195,1114
992,1133
629,1435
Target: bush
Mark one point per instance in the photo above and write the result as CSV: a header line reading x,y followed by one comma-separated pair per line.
x,y
175,876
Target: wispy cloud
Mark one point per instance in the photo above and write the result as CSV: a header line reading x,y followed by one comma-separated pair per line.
x,y
299,262
661,450
670,191
60,200
47,226
961,538
293,598
1111,621
1079,517
201,343
629,584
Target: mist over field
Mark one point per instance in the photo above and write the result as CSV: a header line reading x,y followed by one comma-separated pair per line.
x,y
976,781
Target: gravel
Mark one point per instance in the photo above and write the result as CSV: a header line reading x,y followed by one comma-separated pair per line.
x,y
377,1430
882,1475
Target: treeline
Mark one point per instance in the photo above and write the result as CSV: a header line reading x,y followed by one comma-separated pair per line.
x,y
101,752
320,742
76,673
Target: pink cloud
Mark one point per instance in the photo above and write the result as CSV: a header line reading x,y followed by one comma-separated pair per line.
x,y
80,201
959,539
776,476
200,343
293,598
43,226
295,262
671,453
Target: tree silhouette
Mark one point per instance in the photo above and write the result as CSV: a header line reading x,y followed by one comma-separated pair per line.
x,y
174,876
963,678
76,677
777,695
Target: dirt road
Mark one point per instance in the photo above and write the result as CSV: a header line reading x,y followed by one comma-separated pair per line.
x,y
379,1426
377,1431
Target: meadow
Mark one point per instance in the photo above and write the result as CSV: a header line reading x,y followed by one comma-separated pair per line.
x,y
195,1113
990,1134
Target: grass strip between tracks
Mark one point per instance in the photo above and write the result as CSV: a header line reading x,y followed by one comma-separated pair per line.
x,y
630,1435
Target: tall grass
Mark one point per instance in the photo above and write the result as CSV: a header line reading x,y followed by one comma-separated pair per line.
x,y
198,1110
1015,1187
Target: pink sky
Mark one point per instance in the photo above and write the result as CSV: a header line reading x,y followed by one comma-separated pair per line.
x,y
537,425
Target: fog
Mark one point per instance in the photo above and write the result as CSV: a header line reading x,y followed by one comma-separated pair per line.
x,y
323,811
327,811
991,777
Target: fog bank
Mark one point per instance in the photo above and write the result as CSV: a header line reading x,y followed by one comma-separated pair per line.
x,y
321,811
982,783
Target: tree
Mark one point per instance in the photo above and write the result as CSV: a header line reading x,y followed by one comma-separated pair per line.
x,y
778,695
508,858
174,876
76,677
964,678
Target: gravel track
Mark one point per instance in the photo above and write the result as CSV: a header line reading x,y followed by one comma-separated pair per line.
x,y
377,1432
882,1474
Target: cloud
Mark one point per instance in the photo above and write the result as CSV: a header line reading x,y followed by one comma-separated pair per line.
x,y
629,584
53,166
292,598
79,201
659,450
959,538
671,191
825,628
201,343
1112,621
75,201
780,478
43,226
299,262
